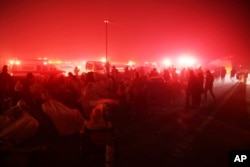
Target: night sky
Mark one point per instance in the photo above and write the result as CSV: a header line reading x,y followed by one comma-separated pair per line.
x,y
143,30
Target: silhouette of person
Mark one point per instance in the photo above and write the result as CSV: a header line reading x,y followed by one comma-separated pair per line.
x,y
6,87
209,84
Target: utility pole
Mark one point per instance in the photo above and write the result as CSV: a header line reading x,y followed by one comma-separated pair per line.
x,y
107,64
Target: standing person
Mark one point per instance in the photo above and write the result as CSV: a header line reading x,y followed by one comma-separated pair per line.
x,y
137,92
209,84
89,94
22,89
223,73
245,76
200,86
191,90
114,72
232,74
6,88
76,71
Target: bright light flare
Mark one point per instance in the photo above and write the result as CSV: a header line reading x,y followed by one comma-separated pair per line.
x,y
103,60
154,64
42,58
131,63
11,62
14,62
167,62
17,62
186,61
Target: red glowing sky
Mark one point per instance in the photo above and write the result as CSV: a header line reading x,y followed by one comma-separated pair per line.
x,y
143,29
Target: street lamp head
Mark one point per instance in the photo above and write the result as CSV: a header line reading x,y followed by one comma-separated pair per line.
x,y
109,21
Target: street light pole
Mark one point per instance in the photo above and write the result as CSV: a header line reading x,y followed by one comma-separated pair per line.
x,y
107,62
106,24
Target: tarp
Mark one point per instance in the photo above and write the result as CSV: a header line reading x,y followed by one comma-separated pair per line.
x,y
66,120
17,125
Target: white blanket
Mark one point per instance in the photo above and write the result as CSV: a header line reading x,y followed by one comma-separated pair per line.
x,y
17,125
67,121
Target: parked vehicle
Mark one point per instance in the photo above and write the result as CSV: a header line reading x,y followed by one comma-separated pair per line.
x,y
95,66
36,66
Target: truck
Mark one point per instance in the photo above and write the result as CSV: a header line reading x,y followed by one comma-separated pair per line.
x,y
95,66
38,67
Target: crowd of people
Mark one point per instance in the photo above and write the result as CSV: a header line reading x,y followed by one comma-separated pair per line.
x,y
65,103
